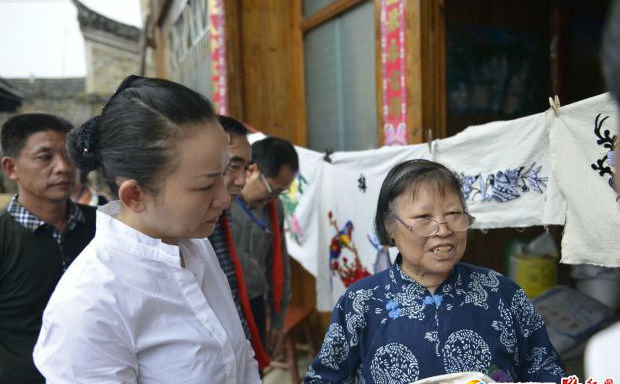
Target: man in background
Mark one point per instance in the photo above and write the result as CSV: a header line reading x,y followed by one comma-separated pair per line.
x,y
41,233
240,154
257,217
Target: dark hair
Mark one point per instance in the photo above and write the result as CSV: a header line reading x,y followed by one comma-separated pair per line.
x,y
406,176
611,50
232,126
272,153
135,134
83,176
17,130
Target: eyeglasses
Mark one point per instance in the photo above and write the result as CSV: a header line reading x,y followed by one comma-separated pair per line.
x,y
270,189
456,222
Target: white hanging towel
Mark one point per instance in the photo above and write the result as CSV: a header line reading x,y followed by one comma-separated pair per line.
x,y
582,137
505,171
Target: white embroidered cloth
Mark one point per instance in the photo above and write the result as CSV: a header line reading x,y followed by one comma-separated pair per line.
x,y
581,140
505,170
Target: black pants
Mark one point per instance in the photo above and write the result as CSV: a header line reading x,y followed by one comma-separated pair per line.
x,y
258,310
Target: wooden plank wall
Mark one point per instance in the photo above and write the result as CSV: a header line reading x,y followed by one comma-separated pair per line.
x,y
269,57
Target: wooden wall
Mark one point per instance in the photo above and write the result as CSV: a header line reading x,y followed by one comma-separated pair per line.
x,y
266,46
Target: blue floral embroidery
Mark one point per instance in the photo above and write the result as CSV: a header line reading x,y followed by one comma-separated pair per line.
x,y
467,185
503,186
536,182
394,311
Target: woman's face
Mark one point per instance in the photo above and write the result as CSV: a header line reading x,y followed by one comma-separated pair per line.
x,y
432,256
191,198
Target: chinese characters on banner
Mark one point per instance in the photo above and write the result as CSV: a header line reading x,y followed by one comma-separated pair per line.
x,y
393,69
217,35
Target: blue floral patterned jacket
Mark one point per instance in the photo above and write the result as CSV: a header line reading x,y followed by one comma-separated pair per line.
x,y
387,328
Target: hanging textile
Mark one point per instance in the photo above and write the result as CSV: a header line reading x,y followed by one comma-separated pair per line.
x,y
583,137
505,172
349,195
516,173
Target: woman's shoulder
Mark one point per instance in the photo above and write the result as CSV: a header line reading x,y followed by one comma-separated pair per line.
x,y
488,276
370,282
368,287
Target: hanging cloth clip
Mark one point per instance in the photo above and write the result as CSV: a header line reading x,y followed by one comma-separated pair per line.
x,y
554,103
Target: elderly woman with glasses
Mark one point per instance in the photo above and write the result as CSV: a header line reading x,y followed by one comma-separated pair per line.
x,y
431,314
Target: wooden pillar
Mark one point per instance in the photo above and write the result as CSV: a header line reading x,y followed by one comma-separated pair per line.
x,y
270,64
234,59
428,46
560,48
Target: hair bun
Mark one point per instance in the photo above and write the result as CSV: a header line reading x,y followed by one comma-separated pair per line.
x,y
84,143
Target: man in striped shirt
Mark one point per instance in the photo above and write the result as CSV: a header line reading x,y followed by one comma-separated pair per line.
x,y
240,157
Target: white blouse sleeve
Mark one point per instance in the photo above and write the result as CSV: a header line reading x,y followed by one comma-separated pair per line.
x,y
84,345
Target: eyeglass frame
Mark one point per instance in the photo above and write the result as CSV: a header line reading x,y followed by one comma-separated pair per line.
x,y
270,189
471,218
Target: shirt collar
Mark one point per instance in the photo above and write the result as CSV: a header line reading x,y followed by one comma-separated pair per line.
x,y
118,234
28,220
402,278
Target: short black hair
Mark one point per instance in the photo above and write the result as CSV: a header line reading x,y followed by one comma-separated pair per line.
x,y
272,153
232,126
135,134
611,50
17,130
406,176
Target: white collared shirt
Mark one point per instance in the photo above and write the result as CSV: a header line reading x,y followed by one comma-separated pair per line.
x,y
126,312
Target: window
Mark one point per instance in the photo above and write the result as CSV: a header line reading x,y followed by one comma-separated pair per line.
x,y
190,59
340,79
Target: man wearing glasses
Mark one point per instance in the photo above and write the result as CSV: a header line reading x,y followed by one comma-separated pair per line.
x,y
257,217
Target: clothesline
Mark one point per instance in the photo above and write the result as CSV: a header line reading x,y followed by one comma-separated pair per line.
x,y
543,169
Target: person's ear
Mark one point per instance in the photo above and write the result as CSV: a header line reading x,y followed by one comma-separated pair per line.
x,y
132,195
389,229
8,167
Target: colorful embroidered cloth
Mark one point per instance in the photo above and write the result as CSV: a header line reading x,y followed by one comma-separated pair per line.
x,y
583,137
349,195
388,328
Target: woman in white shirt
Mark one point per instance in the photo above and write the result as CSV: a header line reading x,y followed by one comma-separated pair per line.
x,y
146,301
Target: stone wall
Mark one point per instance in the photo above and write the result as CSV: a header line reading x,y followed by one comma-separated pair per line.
x,y
109,60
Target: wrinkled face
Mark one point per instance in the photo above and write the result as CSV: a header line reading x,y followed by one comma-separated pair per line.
x,y
436,254
260,189
240,153
191,197
42,170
